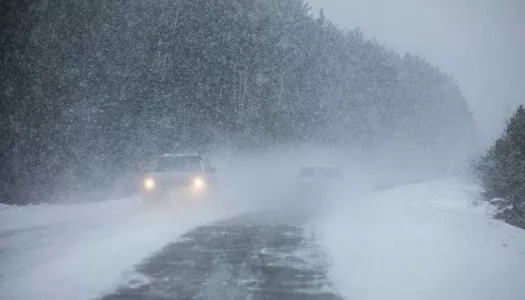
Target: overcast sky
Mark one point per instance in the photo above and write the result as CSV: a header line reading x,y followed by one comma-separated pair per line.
x,y
481,43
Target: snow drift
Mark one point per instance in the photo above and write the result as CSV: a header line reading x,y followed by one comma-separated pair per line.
x,y
423,241
82,251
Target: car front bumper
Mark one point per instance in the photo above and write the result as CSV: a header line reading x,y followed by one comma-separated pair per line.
x,y
179,193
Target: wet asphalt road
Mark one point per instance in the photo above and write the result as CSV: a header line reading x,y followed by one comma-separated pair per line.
x,y
257,256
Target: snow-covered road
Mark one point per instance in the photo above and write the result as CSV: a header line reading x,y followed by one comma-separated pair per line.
x,y
417,241
255,256
82,251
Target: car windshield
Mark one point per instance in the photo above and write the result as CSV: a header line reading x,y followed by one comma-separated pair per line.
x,y
178,163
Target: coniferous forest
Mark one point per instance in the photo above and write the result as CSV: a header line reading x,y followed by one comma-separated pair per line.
x,y
90,88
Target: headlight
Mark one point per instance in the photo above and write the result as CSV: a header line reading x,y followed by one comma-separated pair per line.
x,y
199,183
149,183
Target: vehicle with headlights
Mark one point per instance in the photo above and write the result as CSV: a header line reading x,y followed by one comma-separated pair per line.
x,y
179,177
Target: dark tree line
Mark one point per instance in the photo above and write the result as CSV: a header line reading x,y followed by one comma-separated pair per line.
x,y
502,172
91,87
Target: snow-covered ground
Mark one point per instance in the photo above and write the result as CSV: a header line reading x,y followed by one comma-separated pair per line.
x,y
418,241
422,241
82,251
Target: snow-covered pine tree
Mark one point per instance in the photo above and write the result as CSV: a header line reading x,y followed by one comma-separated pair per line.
x,y
502,172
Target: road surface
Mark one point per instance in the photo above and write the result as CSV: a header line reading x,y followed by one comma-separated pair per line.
x,y
256,256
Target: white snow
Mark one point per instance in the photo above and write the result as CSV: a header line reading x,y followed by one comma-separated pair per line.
x,y
80,252
422,241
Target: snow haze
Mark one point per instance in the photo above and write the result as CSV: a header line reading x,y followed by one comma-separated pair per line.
x,y
480,43
394,104
251,76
